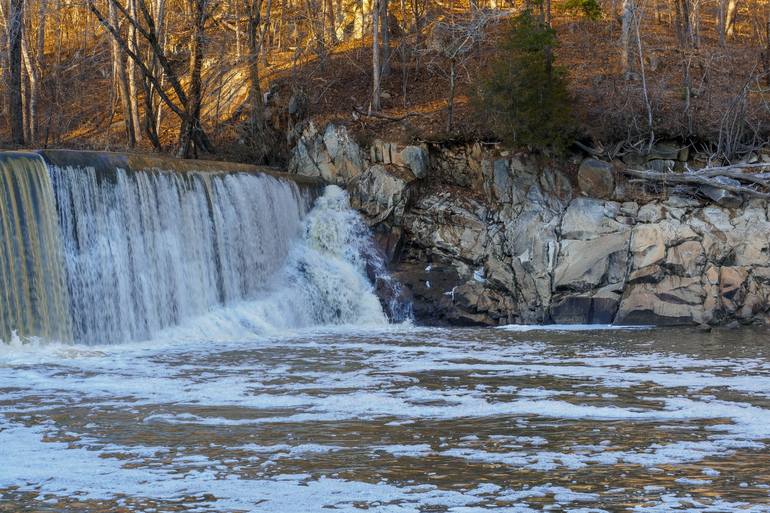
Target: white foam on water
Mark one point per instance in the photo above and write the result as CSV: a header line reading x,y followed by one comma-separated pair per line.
x,y
99,477
571,327
306,375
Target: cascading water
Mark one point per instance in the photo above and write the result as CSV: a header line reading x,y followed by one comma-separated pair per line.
x,y
33,297
101,256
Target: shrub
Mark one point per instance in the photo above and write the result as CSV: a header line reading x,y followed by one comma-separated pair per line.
x,y
588,8
523,95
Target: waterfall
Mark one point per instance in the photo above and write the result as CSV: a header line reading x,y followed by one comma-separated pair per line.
x,y
33,296
104,249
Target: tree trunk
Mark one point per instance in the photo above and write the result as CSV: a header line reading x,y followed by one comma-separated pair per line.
x,y
153,123
385,36
625,36
767,56
451,101
15,34
32,94
730,16
376,66
131,72
119,72
281,24
695,25
721,21
257,136
331,25
191,137
683,32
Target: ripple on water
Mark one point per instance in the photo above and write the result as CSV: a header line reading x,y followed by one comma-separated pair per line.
x,y
403,419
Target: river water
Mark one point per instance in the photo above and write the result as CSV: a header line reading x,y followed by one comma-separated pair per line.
x,y
390,419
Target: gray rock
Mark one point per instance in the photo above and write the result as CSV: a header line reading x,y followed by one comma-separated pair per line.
x,y
453,226
722,197
686,259
381,192
333,156
583,265
416,159
647,245
668,151
650,213
586,308
502,180
555,183
588,218
661,166
670,302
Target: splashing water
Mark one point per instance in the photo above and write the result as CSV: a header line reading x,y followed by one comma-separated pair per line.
x,y
104,256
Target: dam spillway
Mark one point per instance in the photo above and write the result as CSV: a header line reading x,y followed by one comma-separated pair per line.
x,y
102,247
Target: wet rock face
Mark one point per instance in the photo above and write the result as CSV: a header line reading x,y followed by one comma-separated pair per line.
x,y
488,239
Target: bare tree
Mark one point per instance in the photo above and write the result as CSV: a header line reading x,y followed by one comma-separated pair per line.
x,y
192,137
376,54
120,75
727,12
385,37
131,75
15,23
627,20
645,92
453,41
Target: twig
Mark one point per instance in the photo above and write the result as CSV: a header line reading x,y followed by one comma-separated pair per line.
x,y
379,115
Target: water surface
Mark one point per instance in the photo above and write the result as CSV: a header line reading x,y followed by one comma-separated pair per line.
x,y
390,419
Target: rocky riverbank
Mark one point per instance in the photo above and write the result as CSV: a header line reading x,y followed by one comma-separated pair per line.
x,y
482,236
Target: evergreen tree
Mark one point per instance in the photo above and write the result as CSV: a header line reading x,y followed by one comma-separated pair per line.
x,y
523,94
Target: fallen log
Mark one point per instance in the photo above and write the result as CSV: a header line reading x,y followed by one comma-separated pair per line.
x,y
706,177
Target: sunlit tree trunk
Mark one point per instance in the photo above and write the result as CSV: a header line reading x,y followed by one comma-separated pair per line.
x,y
133,93
627,21
730,16
119,74
727,13
31,97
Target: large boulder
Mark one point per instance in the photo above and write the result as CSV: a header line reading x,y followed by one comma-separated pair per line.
x,y
721,196
381,191
333,155
597,307
502,183
732,287
531,240
555,183
416,159
673,301
449,225
686,259
588,218
596,178
647,245
587,264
